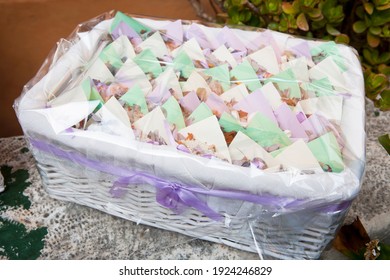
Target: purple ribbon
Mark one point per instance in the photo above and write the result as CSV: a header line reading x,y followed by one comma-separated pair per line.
x,y
178,196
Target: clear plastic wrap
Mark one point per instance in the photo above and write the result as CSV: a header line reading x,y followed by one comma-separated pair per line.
x,y
251,138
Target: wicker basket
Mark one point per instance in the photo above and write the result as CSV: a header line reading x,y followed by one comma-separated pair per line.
x,y
302,234
300,228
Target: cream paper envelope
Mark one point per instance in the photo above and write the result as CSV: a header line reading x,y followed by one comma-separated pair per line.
x,y
156,44
244,73
117,110
166,85
209,132
131,74
224,55
327,68
272,95
242,146
76,94
288,121
65,116
298,156
154,122
227,36
99,71
173,114
203,38
123,48
266,58
190,101
148,62
299,68
256,102
236,93
195,81
200,113
330,107
327,151
173,31
192,49
107,122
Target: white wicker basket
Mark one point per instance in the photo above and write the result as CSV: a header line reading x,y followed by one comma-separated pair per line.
x,y
302,234
278,231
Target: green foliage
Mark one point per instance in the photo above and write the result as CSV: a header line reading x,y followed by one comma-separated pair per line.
x,y
364,24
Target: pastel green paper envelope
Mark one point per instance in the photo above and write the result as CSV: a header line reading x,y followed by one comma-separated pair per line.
x,y
321,87
183,63
244,73
286,80
174,114
265,132
329,49
220,74
135,96
91,91
327,150
136,25
200,113
228,123
109,55
148,62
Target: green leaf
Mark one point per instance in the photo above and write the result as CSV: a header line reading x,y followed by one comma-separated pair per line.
x,y
384,140
315,14
376,30
386,31
274,26
379,18
289,8
383,103
359,26
384,58
369,7
373,40
342,39
273,6
331,30
370,56
302,22
256,2
384,69
360,12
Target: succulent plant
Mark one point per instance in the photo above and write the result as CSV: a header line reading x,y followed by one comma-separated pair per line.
x,y
364,24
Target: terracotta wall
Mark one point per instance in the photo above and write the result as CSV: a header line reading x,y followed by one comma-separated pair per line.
x,y
30,28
